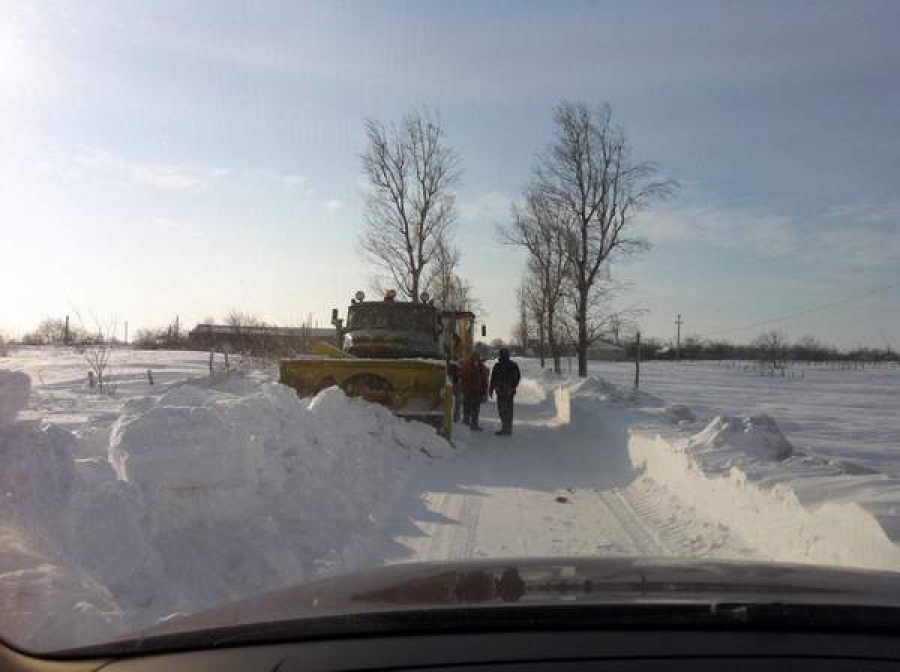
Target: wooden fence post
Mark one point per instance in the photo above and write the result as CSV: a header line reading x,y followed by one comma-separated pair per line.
x,y
637,362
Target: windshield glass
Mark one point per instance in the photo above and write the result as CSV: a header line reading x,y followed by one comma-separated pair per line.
x,y
381,316
678,232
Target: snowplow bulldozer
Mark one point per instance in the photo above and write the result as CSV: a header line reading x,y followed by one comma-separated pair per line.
x,y
391,352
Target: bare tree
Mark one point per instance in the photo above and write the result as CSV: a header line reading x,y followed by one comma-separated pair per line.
x,y
239,318
587,173
540,228
410,205
616,325
809,348
98,349
448,288
242,323
52,331
772,347
150,338
523,327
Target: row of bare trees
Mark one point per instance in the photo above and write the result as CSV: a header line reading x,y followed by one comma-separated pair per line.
x,y
576,218
410,211
773,348
54,331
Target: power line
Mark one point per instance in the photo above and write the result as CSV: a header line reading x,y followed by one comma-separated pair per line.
x,y
806,311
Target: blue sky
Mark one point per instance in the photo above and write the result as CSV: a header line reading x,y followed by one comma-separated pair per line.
x,y
163,158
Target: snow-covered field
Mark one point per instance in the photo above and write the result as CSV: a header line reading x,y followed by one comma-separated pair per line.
x,y
847,414
121,510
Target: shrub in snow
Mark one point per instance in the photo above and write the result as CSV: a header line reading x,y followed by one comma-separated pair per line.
x,y
15,387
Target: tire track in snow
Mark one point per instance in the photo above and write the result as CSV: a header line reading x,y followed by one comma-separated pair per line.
x,y
680,527
468,520
634,528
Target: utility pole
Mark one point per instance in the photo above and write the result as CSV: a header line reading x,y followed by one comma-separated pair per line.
x,y
678,324
66,335
126,335
637,362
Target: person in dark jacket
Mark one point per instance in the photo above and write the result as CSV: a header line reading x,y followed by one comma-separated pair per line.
x,y
504,381
474,379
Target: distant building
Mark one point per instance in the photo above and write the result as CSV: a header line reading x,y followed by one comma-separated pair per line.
x,y
606,351
259,340
599,350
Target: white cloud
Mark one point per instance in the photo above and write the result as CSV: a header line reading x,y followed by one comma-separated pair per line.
x,y
867,212
293,181
103,164
760,232
166,223
857,249
848,238
333,205
172,178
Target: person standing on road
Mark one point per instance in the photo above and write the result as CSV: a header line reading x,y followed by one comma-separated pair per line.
x,y
504,380
474,387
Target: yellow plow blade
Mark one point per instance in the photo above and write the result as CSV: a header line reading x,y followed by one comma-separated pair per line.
x,y
407,387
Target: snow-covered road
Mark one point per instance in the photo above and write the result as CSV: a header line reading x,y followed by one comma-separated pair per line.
x,y
123,509
556,487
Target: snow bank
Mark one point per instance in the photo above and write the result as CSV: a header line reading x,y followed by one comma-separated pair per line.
x,y
743,473
215,490
530,392
602,390
37,474
45,605
15,387
757,435
771,520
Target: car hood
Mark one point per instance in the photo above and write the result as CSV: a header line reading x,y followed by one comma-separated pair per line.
x,y
511,583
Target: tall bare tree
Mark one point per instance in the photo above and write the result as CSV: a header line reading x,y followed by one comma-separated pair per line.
x,y
587,172
540,227
534,305
410,205
524,327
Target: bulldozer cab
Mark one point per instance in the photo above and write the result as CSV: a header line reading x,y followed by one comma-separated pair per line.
x,y
458,334
392,330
